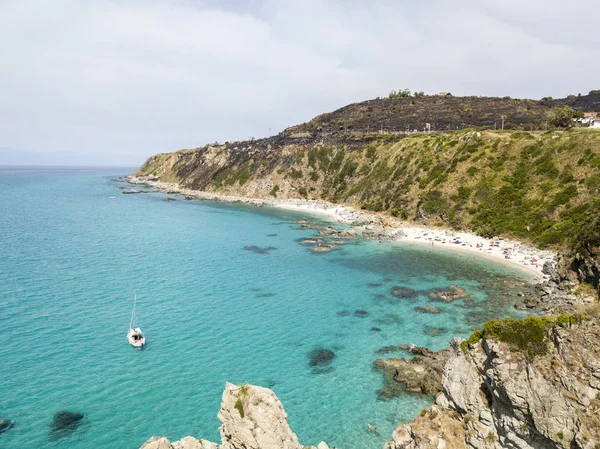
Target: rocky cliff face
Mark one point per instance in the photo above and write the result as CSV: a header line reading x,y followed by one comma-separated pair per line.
x,y
494,396
252,418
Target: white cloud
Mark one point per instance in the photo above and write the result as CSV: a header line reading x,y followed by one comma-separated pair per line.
x,y
127,79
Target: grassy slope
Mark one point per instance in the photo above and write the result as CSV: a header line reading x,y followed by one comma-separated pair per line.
x,y
542,187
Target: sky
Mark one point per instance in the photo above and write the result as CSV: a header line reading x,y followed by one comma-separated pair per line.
x,y
85,82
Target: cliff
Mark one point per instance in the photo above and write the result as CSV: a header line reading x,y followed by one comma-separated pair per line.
x,y
252,418
496,394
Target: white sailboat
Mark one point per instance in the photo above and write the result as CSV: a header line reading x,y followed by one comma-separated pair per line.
x,y
134,334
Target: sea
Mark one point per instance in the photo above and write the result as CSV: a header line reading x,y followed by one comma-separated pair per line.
x,y
225,293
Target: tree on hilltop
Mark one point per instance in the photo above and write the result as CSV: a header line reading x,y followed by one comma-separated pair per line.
x,y
562,116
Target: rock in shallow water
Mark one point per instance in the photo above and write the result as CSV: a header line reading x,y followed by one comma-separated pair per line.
x,y
258,249
452,293
321,357
361,313
427,309
66,420
403,292
5,424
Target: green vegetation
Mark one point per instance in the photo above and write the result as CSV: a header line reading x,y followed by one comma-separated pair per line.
x,y
239,407
530,335
274,190
562,117
232,175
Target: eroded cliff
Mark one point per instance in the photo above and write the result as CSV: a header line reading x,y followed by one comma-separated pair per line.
x,y
495,395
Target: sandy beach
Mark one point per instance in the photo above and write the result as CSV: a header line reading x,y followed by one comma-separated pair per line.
x,y
507,252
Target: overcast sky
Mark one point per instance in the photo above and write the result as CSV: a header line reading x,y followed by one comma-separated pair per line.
x,y
113,82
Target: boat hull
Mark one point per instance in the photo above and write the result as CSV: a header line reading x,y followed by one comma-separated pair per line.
x,y
136,338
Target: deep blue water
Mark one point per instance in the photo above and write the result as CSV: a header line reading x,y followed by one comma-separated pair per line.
x,y
71,260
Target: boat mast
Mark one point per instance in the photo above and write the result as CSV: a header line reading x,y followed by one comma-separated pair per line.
x,y
132,321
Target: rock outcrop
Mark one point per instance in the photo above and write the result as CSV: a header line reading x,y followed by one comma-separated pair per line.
x,y
252,418
422,374
494,397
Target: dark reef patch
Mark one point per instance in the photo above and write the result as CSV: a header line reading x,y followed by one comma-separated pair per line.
x,y
361,313
64,423
376,329
389,319
403,292
427,309
258,249
271,235
320,361
374,284
343,313
5,424
433,331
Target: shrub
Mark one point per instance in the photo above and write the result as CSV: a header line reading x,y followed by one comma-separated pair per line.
x,y
274,190
529,335
239,407
295,174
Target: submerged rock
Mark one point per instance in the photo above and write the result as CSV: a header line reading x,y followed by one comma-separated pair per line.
x,y
389,319
321,357
403,292
66,421
375,329
343,313
427,309
452,293
433,331
258,249
169,199
361,313
5,424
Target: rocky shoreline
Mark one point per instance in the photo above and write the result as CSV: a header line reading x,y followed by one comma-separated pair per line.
x,y
487,394
382,227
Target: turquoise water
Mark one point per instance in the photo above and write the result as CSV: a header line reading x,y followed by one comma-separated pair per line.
x,y
71,260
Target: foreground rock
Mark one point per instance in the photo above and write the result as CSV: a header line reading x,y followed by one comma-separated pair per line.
x,y
252,418
422,374
494,396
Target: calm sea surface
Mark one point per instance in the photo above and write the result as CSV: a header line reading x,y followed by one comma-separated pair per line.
x,y
72,258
